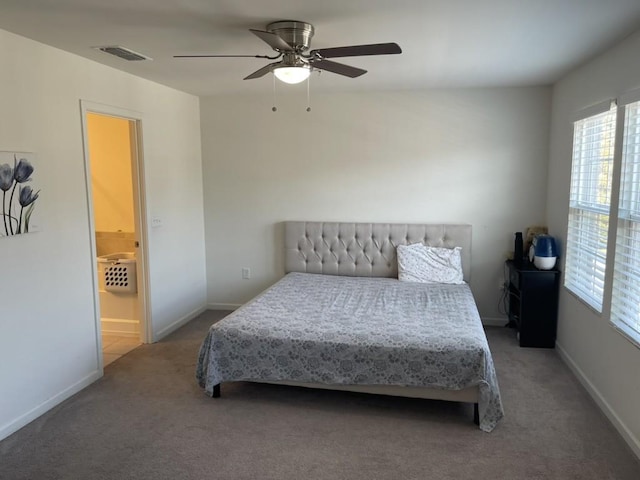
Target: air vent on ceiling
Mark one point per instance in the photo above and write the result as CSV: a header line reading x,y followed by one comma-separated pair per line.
x,y
122,52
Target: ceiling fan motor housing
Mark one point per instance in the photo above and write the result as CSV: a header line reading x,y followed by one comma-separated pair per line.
x,y
297,34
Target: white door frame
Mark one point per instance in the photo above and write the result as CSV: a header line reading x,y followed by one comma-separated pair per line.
x,y
140,219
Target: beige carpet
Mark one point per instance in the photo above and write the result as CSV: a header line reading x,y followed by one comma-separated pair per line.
x,y
147,419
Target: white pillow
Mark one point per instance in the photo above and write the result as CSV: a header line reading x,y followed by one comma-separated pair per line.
x,y
419,263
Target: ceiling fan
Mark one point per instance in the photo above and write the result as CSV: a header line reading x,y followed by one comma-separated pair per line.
x,y
291,39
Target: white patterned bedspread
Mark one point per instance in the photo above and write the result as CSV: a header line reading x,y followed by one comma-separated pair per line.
x,y
356,330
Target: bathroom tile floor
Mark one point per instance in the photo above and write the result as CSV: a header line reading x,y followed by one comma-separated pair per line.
x,y
115,346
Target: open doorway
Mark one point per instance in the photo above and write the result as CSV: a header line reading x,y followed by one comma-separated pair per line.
x,y
114,187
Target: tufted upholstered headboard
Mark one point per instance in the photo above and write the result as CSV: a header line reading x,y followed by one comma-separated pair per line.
x,y
365,249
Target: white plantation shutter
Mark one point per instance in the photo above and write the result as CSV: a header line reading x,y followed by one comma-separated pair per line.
x,y
625,300
589,206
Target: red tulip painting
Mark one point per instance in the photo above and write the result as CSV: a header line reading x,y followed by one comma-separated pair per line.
x,y
18,198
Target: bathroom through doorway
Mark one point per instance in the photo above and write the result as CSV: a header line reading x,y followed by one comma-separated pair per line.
x,y
113,162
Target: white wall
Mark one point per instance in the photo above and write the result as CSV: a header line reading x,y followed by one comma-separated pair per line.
x,y
605,362
470,156
47,329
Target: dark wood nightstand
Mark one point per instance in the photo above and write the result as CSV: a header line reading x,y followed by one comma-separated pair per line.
x,y
533,304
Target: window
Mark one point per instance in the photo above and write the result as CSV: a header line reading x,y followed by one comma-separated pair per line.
x,y
625,299
601,172
589,206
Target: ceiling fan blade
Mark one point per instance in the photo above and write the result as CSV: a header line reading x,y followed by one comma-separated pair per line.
x,y
339,68
358,50
261,72
222,56
273,40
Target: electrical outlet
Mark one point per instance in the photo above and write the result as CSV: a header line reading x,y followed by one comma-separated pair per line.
x,y
246,273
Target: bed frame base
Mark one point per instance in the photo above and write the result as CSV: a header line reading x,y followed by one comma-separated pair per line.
x,y
476,412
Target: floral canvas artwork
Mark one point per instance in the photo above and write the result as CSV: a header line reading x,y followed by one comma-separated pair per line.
x,y
19,193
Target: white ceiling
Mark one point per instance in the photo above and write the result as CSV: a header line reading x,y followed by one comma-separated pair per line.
x,y
446,43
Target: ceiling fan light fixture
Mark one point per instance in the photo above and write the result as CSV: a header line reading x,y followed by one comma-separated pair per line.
x,y
292,75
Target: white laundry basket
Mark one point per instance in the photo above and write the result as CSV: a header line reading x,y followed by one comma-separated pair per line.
x,y
118,272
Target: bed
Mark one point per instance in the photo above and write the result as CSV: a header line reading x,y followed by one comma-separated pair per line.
x,y
340,319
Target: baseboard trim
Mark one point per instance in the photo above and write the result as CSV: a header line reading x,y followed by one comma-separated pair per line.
x,y
120,326
494,321
47,405
627,435
178,323
223,306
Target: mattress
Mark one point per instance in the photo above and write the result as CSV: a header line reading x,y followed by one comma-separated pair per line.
x,y
337,330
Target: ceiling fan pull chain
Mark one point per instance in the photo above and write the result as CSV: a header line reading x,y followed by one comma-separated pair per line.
x,y
274,108
308,94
